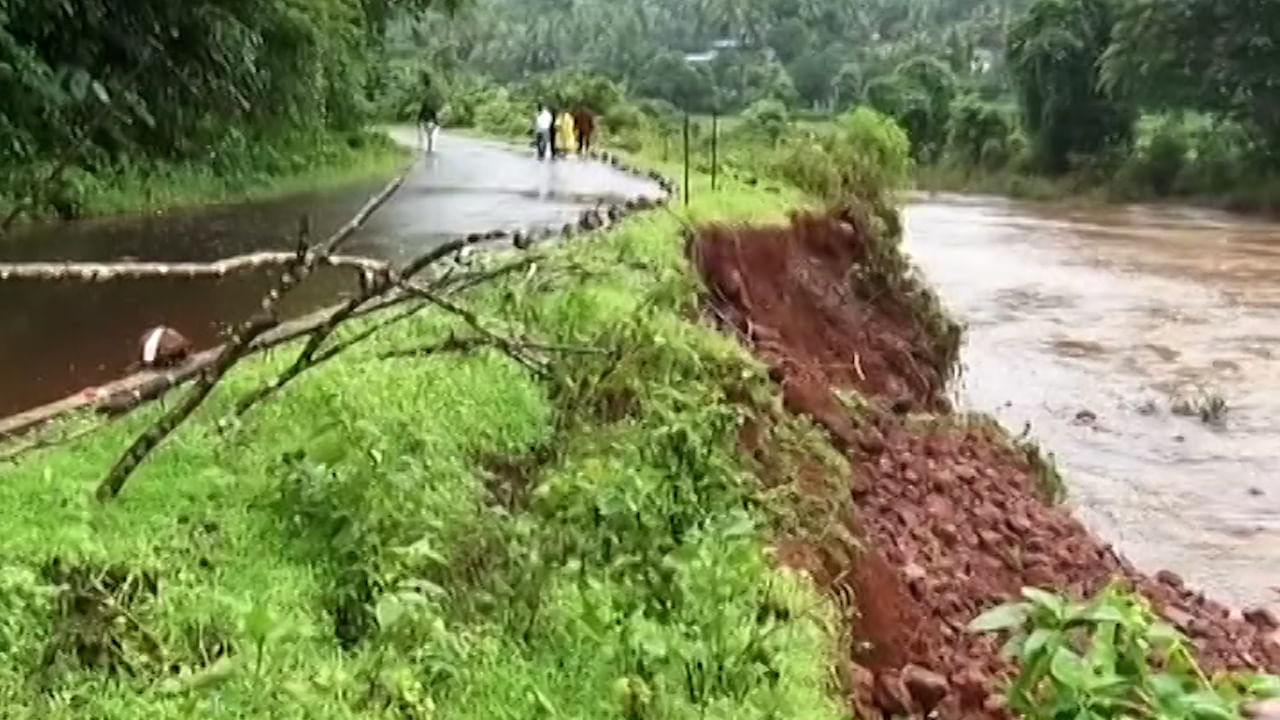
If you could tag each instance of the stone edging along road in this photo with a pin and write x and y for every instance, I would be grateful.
(127, 393)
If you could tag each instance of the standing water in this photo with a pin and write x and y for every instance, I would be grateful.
(57, 338)
(1107, 311)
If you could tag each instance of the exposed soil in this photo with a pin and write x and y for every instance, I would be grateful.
(951, 515)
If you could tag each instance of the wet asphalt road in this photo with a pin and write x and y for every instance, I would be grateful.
(58, 338)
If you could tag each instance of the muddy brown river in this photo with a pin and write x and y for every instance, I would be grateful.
(1111, 310)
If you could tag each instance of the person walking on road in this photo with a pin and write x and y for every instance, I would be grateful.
(554, 143)
(565, 133)
(429, 116)
(543, 128)
(585, 123)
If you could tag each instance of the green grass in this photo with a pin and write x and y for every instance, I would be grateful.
(241, 169)
(445, 537)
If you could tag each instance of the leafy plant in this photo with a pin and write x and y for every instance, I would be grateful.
(1110, 657)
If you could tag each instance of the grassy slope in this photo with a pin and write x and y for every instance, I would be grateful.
(625, 576)
(249, 170)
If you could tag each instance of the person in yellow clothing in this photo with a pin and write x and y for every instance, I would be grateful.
(566, 138)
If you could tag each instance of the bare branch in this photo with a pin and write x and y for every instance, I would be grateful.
(477, 342)
(309, 358)
(239, 345)
(506, 345)
(98, 272)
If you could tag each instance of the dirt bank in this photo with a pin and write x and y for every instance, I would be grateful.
(952, 513)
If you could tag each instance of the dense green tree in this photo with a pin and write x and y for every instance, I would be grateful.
(1222, 56)
(1054, 55)
(979, 132)
(163, 78)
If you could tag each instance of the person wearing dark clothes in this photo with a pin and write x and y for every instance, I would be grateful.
(555, 147)
(429, 117)
(585, 122)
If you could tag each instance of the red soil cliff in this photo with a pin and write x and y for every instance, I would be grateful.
(951, 514)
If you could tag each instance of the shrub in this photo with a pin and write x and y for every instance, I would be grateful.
(768, 118)
(979, 133)
(1110, 657)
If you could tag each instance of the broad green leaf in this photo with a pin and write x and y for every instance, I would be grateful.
(1046, 600)
(1264, 686)
(389, 610)
(1165, 686)
(1104, 613)
(1038, 640)
(1208, 705)
(1162, 635)
(1068, 668)
(1000, 617)
(217, 673)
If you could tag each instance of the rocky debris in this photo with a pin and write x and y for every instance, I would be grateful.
(1262, 618)
(590, 220)
(1086, 417)
(1265, 710)
(927, 688)
(950, 514)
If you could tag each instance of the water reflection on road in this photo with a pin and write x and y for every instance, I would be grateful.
(56, 338)
(1110, 309)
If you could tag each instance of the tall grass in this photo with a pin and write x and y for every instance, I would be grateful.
(443, 537)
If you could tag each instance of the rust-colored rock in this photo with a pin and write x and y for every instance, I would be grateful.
(926, 687)
(891, 695)
(1261, 618)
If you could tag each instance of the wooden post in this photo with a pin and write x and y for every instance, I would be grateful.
(686, 159)
(715, 142)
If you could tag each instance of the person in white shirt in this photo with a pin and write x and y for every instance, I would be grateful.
(542, 131)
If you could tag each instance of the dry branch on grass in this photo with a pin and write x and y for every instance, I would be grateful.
(311, 356)
(238, 346)
(470, 343)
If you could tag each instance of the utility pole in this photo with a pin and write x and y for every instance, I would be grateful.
(715, 144)
(686, 159)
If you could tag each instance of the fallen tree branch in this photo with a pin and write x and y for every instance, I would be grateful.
(452, 344)
(119, 397)
(427, 350)
(237, 346)
(101, 272)
(506, 345)
(309, 358)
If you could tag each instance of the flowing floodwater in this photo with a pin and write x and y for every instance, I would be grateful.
(1111, 310)
(57, 338)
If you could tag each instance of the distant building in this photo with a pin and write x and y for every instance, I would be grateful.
(716, 47)
(701, 57)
